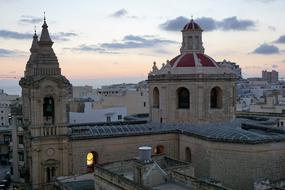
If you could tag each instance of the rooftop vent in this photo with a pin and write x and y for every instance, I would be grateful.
(145, 154)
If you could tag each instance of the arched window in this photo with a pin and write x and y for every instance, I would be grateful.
(48, 175)
(159, 149)
(183, 97)
(216, 97)
(91, 160)
(188, 156)
(48, 110)
(155, 97)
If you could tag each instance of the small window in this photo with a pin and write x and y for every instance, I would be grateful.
(1, 111)
(141, 93)
(2, 118)
(21, 156)
(21, 140)
(108, 119)
(119, 117)
(144, 104)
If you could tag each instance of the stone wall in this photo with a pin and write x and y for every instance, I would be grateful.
(237, 166)
(119, 148)
(199, 111)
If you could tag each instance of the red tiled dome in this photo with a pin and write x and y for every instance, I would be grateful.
(193, 60)
(192, 26)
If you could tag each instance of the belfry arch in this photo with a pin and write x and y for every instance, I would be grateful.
(48, 110)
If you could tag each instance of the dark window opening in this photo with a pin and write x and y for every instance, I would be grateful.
(216, 98)
(159, 149)
(155, 98)
(188, 156)
(183, 98)
(21, 140)
(48, 110)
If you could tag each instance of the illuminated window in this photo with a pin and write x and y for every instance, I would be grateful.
(91, 160)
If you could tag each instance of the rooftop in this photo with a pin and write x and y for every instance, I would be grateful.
(240, 130)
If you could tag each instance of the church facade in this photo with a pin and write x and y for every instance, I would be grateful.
(192, 118)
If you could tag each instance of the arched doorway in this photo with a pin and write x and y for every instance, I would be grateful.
(183, 98)
(216, 97)
(159, 149)
(91, 160)
(188, 155)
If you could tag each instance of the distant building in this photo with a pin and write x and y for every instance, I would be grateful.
(99, 115)
(134, 97)
(5, 102)
(82, 91)
(271, 77)
(232, 66)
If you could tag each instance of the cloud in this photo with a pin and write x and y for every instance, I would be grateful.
(10, 53)
(281, 40)
(128, 42)
(272, 28)
(174, 24)
(132, 41)
(120, 13)
(233, 23)
(26, 19)
(61, 36)
(266, 49)
(86, 48)
(210, 24)
(14, 35)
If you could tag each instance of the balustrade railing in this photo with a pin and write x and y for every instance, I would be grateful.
(49, 130)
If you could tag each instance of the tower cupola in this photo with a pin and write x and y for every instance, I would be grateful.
(192, 38)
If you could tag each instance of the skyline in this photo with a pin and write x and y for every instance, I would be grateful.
(106, 44)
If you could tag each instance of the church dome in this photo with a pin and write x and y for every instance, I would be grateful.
(192, 25)
(193, 60)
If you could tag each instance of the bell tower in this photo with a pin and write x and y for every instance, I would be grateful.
(45, 93)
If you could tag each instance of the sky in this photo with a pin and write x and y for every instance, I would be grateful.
(115, 41)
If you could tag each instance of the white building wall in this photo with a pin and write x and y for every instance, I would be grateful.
(99, 115)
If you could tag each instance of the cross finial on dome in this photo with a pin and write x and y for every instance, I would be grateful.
(191, 17)
(35, 27)
(44, 16)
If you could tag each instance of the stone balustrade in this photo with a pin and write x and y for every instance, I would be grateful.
(49, 130)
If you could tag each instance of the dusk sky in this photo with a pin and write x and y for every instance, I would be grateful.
(114, 41)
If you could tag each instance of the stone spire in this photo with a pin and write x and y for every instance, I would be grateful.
(45, 39)
(192, 38)
(35, 45)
